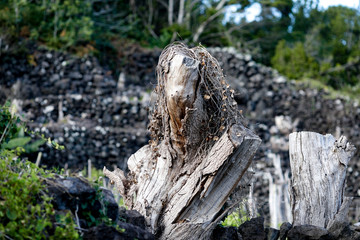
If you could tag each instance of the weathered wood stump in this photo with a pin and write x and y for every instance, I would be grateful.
(318, 165)
(199, 149)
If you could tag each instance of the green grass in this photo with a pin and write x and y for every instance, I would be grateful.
(347, 92)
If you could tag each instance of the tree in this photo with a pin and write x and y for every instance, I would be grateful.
(294, 62)
(198, 153)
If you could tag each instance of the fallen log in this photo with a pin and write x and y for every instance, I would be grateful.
(318, 166)
(199, 149)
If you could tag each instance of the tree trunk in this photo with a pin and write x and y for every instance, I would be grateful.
(181, 12)
(279, 199)
(318, 165)
(171, 12)
(198, 153)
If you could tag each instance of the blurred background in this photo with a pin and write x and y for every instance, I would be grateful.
(82, 73)
(313, 38)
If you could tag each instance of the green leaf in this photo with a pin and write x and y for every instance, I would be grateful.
(34, 147)
(16, 142)
(39, 226)
(11, 214)
(92, 218)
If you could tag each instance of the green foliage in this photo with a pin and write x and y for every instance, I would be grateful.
(13, 141)
(25, 210)
(94, 219)
(9, 123)
(96, 174)
(296, 37)
(341, 77)
(99, 218)
(235, 219)
(328, 41)
(60, 24)
(294, 62)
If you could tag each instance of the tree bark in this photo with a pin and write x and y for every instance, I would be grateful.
(279, 198)
(318, 165)
(171, 12)
(198, 153)
(181, 12)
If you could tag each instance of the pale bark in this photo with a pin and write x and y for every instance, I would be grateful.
(181, 12)
(318, 165)
(176, 182)
(279, 199)
(171, 12)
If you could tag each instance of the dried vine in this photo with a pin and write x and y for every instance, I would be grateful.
(221, 107)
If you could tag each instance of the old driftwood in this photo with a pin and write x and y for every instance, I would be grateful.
(318, 165)
(199, 149)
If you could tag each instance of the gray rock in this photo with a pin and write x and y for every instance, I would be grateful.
(225, 233)
(284, 229)
(253, 229)
(111, 206)
(126, 232)
(272, 233)
(63, 83)
(55, 77)
(98, 78)
(132, 217)
(75, 75)
(45, 64)
(77, 195)
(69, 193)
(309, 232)
(349, 233)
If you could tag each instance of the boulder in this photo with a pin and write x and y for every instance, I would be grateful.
(77, 195)
(284, 229)
(309, 232)
(124, 231)
(253, 229)
(226, 233)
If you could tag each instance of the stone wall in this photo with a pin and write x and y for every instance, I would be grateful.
(78, 103)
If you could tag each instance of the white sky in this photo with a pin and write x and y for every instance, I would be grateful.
(347, 3)
(255, 9)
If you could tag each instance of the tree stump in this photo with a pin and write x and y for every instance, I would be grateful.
(199, 148)
(318, 165)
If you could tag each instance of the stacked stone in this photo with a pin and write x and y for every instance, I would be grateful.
(78, 103)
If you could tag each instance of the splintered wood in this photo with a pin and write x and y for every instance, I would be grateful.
(318, 165)
(199, 150)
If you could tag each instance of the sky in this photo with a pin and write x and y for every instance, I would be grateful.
(255, 9)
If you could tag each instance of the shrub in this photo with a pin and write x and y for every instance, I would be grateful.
(294, 62)
(25, 208)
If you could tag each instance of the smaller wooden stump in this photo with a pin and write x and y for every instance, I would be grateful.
(318, 165)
